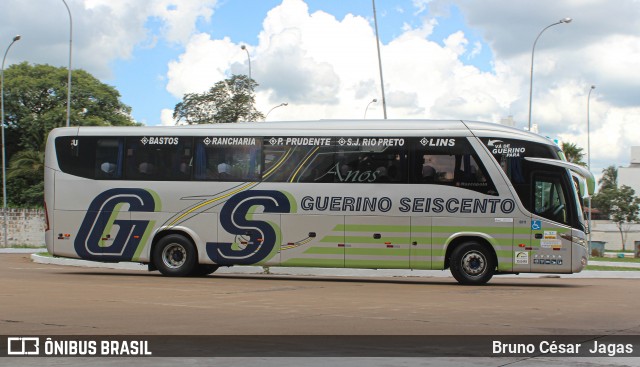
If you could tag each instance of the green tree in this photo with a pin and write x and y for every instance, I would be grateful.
(230, 100)
(35, 99)
(36, 102)
(624, 211)
(573, 153)
(609, 179)
(607, 191)
(25, 179)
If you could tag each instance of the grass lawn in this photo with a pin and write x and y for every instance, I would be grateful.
(611, 268)
(616, 259)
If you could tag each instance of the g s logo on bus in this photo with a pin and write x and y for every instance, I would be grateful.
(102, 216)
(262, 235)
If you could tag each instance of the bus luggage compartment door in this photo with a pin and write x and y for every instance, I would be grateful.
(377, 242)
(421, 243)
(312, 240)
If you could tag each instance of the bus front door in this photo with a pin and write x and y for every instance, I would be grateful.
(550, 238)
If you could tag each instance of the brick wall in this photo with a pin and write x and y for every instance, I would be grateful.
(24, 227)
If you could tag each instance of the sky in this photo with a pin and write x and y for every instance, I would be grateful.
(441, 59)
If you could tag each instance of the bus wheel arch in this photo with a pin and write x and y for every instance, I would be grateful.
(471, 260)
(174, 253)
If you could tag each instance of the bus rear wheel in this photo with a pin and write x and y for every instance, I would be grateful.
(472, 264)
(175, 255)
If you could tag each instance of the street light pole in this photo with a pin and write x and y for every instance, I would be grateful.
(565, 20)
(589, 156)
(273, 108)
(368, 104)
(69, 69)
(4, 149)
(375, 20)
(248, 58)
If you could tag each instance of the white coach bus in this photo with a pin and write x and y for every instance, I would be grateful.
(477, 198)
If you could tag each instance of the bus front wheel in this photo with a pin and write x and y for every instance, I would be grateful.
(175, 255)
(472, 264)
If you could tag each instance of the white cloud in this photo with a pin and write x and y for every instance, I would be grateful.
(166, 117)
(180, 16)
(328, 68)
(103, 30)
(204, 62)
(457, 43)
(599, 47)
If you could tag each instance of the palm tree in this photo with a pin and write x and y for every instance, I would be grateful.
(28, 164)
(573, 153)
(609, 179)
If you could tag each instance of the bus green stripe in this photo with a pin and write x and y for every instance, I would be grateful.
(381, 241)
(143, 241)
(377, 251)
(325, 251)
(377, 264)
(371, 228)
(111, 221)
(482, 229)
(321, 263)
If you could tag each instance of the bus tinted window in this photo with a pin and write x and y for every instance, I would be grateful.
(380, 163)
(90, 156)
(227, 159)
(550, 199)
(339, 160)
(158, 158)
(76, 155)
(510, 154)
(281, 162)
(109, 158)
(452, 162)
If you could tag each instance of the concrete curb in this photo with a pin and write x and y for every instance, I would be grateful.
(381, 273)
(28, 250)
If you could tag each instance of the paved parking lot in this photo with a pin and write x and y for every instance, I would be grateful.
(40, 299)
(44, 299)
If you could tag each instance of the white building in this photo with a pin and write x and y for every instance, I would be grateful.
(606, 230)
(508, 121)
(630, 176)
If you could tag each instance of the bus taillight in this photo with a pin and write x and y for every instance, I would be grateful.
(46, 218)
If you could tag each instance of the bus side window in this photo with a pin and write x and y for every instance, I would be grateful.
(109, 158)
(149, 161)
(450, 161)
(227, 162)
(550, 199)
(76, 155)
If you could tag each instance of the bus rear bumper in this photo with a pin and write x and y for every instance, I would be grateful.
(48, 240)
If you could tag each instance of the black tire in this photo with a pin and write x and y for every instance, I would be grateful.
(202, 270)
(472, 263)
(175, 255)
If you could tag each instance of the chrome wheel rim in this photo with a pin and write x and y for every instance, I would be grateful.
(474, 263)
(174, 256)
